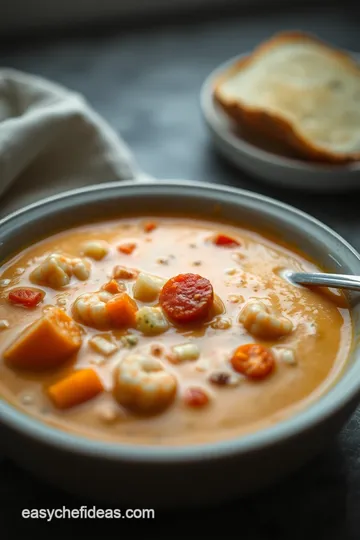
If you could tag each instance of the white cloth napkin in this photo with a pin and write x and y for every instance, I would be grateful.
(51, 140)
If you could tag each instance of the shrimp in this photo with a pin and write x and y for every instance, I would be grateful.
(258, 320)
(143, 385)
(90, 309)
(56, 271)
(80, 268)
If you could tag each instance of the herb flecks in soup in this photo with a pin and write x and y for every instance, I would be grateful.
(165, 331)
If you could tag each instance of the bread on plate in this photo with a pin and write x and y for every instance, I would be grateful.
(297, 89)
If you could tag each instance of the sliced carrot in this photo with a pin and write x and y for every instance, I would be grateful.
(253, 360)
(187, 298)
(127, 248)
(75, 389)
(114, 287)
(150, 226)
(122, 310)
(46, 343)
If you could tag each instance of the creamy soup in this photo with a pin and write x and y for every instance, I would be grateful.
(165, 331)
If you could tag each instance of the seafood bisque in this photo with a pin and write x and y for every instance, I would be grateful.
(165, 331)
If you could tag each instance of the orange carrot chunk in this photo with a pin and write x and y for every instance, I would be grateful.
(225, 241)
(127, 248)
(46, 343)
(253, 361)
(122, 310)
(75, 389)
(27, 297)
(150, 226)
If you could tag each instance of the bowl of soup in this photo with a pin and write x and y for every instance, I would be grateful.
(152, 351)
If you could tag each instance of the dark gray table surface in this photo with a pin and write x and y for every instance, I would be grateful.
(146, 84)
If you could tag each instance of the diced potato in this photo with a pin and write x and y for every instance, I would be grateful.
(184, 352)
(151, 321)
(103, 345)
(4, 324)
(147, 287)
(287, 356)
(46, 343)
(4, 282)
(95, 249)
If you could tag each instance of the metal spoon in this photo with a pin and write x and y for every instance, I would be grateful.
(338, 281)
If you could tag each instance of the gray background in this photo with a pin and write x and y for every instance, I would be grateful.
(18, 17)
(146, 83)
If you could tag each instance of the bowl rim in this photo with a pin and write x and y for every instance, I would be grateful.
(212, 114)
(318, 412)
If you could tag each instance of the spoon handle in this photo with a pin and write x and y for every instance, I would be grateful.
(339, 281)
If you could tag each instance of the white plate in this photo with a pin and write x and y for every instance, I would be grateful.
(268, 165)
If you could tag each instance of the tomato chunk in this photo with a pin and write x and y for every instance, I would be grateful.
(187, 298)
(26, 297)
(253, 361)
(114, 287)
(127, 248)
(225, 241)
(150, 226)
(195, 397)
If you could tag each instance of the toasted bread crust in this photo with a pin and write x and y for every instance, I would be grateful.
(275, 126)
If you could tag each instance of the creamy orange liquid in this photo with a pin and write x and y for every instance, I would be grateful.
(321, 338)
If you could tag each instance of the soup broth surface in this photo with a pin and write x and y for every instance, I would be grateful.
(212, 400)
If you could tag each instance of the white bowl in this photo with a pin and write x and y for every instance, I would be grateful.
(168, 476)
(264, 162)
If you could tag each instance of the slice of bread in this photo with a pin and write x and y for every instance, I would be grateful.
(300, 90)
